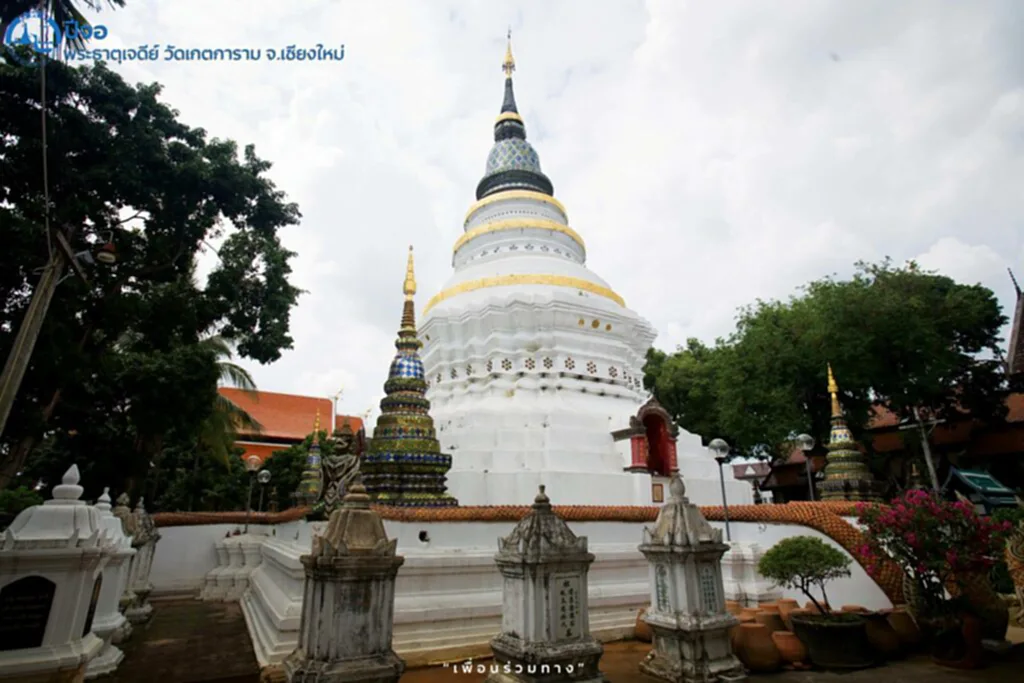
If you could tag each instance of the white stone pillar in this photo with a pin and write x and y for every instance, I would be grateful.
(545, 625)
(349, 601)
(212, 588)
(687, 613)
(109, 620)
(51, 577)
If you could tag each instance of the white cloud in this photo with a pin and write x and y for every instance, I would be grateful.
(709, 153)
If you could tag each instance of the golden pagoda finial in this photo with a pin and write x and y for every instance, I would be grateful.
(409, 287)
(833, 389)
(509, 65)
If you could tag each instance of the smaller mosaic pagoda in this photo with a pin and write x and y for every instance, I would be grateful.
(847, 476)
(404, 465)
(310, 485)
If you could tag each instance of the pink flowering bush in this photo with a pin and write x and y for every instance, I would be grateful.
(938, 544)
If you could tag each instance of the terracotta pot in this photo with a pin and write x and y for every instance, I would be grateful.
(733, 607)
(853, 609)
(788, 618)
(835, 641)
(785, 607)
(792, 650)
(770, 607)
(757, 650)
(750, 612)
(905, 627)
(734, 632)
(811, 606)
(642, 631)
(773, 622)
(882, 635)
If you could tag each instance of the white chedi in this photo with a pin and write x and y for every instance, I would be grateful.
(51, 562)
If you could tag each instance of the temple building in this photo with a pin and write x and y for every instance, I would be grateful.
(284, 419)
(534, 363)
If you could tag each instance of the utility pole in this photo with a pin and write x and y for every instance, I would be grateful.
(24, 343)
(926, 446)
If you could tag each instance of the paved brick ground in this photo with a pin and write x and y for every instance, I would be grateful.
(188, 641)
(202, 642)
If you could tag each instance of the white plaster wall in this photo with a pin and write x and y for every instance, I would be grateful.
(186, 554)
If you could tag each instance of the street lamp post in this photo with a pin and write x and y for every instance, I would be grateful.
(252, 463)
(263, 478)
(721, 450)
(806, 444)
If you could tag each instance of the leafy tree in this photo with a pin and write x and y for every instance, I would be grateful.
(897, 335)
(802, 563)
(120, 371)
(220, 429)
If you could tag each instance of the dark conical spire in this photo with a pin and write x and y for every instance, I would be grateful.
(512, 163)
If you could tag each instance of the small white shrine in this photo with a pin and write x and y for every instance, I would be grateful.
(687, 613)
(545, 625)
(348, 607)
(109, 620)
(51, 576)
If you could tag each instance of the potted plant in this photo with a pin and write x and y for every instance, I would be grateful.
(834, 640)
(944, 549)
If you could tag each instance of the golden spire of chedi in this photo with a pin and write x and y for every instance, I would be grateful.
(409, 286)
(509, 65)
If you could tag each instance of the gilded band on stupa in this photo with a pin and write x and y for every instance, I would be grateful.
(515, 194)
(519, 224)
(525, 279)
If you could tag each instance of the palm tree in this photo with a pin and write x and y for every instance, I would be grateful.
(220, 429)
(62, 11)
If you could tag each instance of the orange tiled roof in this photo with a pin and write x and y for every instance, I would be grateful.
(882, 417)
(286, 416)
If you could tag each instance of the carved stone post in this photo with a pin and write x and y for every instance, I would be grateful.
(123, 512)
(545, 625)
(687, 613)
(144, 541)
(348, 604)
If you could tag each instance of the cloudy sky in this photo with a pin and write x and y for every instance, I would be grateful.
(710, 153)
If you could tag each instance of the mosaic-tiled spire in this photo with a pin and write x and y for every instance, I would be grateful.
(847, 476)
(404, 464)
(311, 483)
(513, 163)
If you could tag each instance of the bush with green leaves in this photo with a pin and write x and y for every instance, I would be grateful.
(802, 563)
(13, 501)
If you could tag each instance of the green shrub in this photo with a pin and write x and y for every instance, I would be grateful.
(802, 563)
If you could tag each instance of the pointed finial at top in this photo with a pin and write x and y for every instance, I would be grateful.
(833, 389)
(509, 65)
(68, 489)
(409, 286)
(103, 502)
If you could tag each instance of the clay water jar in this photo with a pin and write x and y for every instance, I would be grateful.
(642, 630)
(882, 635)
(756, 649)
(769, 605)
(733, 607)
(853, 609)
(788, 618)
(734, 632)
(750, 612)
(810, 606)
(793, 652)
(905, 627)
(771, 621)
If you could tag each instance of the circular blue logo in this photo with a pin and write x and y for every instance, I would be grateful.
(31, 36)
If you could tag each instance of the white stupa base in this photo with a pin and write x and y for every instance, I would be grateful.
(49, 658)
(106, 662)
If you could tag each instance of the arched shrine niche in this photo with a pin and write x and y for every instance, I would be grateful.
(652, 435)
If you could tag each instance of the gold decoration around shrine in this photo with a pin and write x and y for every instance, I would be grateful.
(519, 224)
(515, 194)
(511, 280)
(509, 116)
